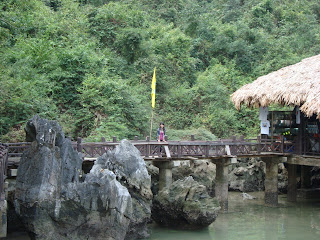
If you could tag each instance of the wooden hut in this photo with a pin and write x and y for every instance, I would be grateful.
(297, 85)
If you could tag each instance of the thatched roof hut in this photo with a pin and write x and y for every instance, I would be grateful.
(296, 85)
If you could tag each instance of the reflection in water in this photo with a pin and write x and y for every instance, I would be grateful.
(250, 219)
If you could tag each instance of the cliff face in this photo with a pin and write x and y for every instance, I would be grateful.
(54, 204)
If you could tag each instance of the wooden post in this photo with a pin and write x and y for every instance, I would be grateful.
(258, 144)
(114, 139)
(148, 146)
(103, 139)
(136, 138)
(282, 144)
(292, 183)
(79, 145)
(207, 149)
(192, 137)
(179, 150)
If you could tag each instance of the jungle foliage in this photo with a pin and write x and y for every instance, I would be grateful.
(89, 63)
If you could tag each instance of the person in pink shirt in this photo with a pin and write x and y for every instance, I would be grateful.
(161, 133)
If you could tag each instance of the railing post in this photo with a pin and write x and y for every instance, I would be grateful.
(192, 137)
(103, 149)
(114, 139)
(166, 138)
(135, 138)
(148, 146)
(79, 144)
(234, 147)
(282, 144)
(179, 148)
(207, 149)
(258, 144)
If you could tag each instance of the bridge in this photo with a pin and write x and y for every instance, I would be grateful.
(222, 153)
(177, 150)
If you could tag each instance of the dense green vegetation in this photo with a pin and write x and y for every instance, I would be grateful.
(89, 63)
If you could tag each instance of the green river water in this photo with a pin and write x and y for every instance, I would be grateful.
(250, 220)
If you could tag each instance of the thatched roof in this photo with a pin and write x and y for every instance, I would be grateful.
(297, 85)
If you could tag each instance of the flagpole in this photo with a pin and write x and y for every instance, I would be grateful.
(153, 97)
(151, 123)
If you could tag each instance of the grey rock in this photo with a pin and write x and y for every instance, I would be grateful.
(247, 176)
(246, 196)
(202, 171)
(131, 171)
(54, 204)
(185, 205)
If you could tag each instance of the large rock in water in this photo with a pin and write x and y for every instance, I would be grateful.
(51, 200)
(130, 170)
(185, 205)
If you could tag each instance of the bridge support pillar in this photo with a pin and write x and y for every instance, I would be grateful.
(165, 173)
(292, 183)
(271, 180)
(305, 176)
(221, 188)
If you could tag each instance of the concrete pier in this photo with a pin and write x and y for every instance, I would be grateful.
(221, 188)
(271, 180)
(306, 176)
(165, 173)
(292, 183)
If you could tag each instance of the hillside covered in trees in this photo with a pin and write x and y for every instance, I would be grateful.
(89, 63)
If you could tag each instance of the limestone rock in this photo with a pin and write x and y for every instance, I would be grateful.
(282, 178)
(246, 196)
(130, 170)
(154, 173)
(247, 176)
(185, 205)
(54, 204)
(202, 171)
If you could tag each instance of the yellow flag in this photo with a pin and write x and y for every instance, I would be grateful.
(153, 89)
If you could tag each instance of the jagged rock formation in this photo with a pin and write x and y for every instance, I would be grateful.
(130, 170)
(185, 205)
(54, 204)
(202, 171)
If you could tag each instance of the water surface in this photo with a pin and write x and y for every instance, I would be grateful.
(251, 219)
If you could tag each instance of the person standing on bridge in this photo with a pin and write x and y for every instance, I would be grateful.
(161, 133)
